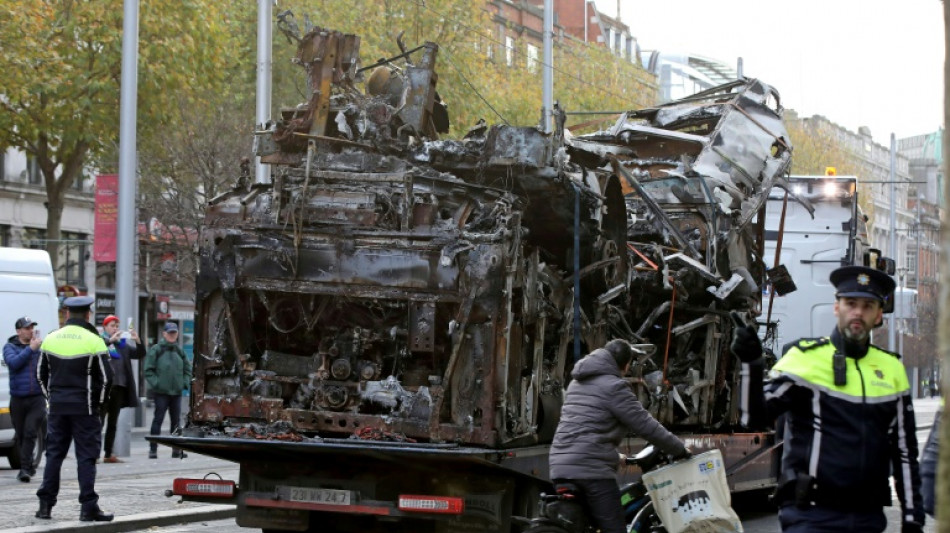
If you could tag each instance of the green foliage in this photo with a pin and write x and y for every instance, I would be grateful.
(62, 69)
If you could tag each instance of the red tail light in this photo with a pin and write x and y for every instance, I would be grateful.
(207, 488)
(431, 504)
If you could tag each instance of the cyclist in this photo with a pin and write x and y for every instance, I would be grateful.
(599, 410)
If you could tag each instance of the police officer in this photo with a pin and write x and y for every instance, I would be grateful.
(75, 374)
(849, 418)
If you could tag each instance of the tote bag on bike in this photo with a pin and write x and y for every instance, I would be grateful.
(692, 496)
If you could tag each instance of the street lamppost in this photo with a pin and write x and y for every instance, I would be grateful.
(899, 313)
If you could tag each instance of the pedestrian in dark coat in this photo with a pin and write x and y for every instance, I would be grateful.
(124, 393)
(168, 372)
(27, 403)
(600, 409)
(75, 374)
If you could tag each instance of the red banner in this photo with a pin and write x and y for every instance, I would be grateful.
(107, 217)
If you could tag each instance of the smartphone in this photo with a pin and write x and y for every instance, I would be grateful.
(131, 323)
(36, 333)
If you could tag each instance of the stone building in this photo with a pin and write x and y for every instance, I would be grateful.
(23, 218)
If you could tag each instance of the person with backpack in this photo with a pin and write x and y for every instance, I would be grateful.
(167, 372)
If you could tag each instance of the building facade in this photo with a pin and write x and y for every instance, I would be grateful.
(923, 256)
(23, 219)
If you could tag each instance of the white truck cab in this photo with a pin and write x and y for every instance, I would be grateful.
(810, 249)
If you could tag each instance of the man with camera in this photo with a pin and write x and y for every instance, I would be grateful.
(27, 403)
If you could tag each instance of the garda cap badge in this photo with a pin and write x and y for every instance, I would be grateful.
(862, 282)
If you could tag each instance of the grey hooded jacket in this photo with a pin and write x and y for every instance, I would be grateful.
(600, 409)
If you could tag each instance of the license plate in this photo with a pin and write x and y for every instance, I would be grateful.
(319, 495)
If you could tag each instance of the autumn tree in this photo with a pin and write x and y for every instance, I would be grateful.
(205, 151)
(62, 68)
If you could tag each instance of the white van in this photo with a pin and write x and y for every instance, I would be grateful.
(27, 288)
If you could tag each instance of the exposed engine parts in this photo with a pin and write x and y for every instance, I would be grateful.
(391, 282)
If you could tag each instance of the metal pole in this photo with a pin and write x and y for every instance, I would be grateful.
(125, 292)
(586, 19)
(900, 303)
(892, 246)
(547, 70)
(917, 269)
(264, 53)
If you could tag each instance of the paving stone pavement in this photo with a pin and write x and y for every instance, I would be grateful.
(132, 490)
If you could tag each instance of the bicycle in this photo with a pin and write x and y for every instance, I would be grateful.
(564, 511)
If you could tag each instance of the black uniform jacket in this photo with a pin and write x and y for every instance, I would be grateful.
(842, 442)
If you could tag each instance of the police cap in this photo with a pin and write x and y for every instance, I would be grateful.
(862, 282)
(78, 304)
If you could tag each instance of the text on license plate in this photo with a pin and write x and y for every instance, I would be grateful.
(318, 495)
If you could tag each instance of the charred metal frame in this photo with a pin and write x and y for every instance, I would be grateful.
(391, 281)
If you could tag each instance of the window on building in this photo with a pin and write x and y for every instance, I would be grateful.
(3, 164)
(34, 238)
(911, 279)
(4, 235)
(618, 37)
(532, 57)
(72, 258)
(33, 174)
(73, 247)
(509, 51)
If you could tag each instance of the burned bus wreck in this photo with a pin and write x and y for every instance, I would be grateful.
(696, 175)
(408, 297)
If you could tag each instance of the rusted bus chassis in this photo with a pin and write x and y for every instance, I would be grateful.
(398, 314)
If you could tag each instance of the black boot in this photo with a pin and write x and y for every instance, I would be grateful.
(95, 514)
(24, 476)
(178, 454)
(45, 510)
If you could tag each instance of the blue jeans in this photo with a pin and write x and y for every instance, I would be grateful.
(172, 404)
